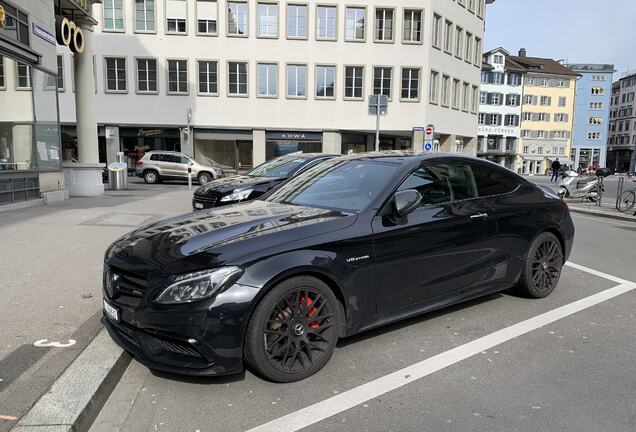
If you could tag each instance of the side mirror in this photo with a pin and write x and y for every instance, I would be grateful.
(406, 201)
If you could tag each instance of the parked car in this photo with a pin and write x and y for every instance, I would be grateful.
(355, 243)
(156, 166)
(255, 183)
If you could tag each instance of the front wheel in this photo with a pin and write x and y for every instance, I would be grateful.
(151, 177)
(293, 331)
(542, 268)
(626, 201)
(562, 193)
(204, 178)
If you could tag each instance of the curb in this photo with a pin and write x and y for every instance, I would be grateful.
(77, 396)
(601, 213)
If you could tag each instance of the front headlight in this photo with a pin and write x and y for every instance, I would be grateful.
(238, 195)
(198, 286)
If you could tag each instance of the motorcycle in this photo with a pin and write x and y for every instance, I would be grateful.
(573, 186)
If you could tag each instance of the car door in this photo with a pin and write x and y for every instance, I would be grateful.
(442, 249)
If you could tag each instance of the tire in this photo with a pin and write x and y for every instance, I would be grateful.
(293, 331)
(542, 268)
(151, 177)
(626, 201)
(204, 178)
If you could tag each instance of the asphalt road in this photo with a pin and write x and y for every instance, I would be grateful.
(501, 363)
(610, 183)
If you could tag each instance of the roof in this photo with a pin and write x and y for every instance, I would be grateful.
(514, 66)
(543, 65)
(591, 67)
(405, 156)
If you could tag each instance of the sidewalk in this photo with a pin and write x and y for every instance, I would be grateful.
(607, 209)
(51, 277)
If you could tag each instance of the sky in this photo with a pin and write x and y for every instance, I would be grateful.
(580, 31)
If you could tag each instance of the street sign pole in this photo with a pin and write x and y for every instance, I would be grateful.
(378, 105)
(188, 119)
(377, 125)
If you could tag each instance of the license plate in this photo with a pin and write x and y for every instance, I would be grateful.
(198, 206)
(111, 312)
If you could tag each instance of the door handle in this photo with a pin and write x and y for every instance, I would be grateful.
(479, 216)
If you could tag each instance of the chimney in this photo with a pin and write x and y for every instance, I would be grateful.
(522, 52)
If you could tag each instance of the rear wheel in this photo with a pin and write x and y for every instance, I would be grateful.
(151, 177)
(543, 267)
(293, 331)
(626, 201)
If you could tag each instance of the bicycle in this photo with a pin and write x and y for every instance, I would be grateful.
(626, 201)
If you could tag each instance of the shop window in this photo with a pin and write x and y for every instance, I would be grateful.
(325, 81)
(382, 81)
(116, 74)
(237, 78)
(147, 75)
(296, 21)
(267, 20)
(274, 149)
(145, 16)
(176, 16)
(178, 76)
(354, 143)
(207, 12)
(114, 15)
(237, 18)
(208, 77)
(412, 26)
(326, 22)
(296, 81)
(355, 23)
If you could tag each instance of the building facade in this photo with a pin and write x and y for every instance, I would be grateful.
(500, 109)
(591, 115)
(621, 145)
(547, 113)
(240, 82)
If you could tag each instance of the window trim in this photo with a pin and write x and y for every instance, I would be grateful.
(196, 23)
(344, 82)
(123, 30)
(335, 81)
(394, 24)
(404, 9)
(366, 22)
(247, 80)
(218, 76)
(392, 81)
(104, 62)
(438, 92)
(440, 42)
(257, 29)
(177, 93)
(452, 37)
(287, 96)
(165, 21)
(227, 20)
(147, 92)
(419, 84)
(134, 8)
(17, 79)
(296, 3)
(337, 6)
(265, 62)
(459, 94)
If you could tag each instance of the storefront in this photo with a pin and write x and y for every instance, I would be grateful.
(232, 149)
(281, 143)
(355, 143)
(137, 141)
(69, 143)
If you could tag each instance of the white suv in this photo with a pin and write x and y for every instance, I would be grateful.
(156, 166)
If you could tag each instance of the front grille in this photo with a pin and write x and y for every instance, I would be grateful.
(177, 347)
(124, 286)
(207, 199)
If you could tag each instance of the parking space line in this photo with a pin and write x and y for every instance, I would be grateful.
(334, 405)
(599, 274)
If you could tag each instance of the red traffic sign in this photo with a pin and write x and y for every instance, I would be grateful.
(428, 131)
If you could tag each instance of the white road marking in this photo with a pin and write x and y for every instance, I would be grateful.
(358, 395)
(42, 343)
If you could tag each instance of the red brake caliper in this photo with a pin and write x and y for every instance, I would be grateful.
(309, 302)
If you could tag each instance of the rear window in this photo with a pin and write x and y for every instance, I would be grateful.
(492, 182)
(155, 157)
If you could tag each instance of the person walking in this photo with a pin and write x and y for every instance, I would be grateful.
(556, 165)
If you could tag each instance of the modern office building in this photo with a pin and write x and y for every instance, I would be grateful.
(591, 114)
(500, 109)
(621, 145)
(547, 112)
(252, 80)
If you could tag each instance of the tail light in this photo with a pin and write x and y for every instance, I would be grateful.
(140, 162)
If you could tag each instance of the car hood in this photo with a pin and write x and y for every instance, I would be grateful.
(228, 184)
(210, 238)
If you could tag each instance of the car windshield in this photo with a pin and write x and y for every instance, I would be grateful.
(279, 167)
(347, 185)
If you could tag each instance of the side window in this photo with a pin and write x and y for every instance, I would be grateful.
(491, 182)
(183, 159)
(442, 183)
(155, 157)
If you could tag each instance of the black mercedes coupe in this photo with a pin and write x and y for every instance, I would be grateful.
(352, 243)
(262, 179)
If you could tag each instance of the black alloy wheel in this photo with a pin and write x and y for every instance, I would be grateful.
(543, 267)
(294, 330)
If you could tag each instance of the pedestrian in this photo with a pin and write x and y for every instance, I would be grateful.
(556, 165)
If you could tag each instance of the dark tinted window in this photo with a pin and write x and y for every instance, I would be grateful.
(170, 158)
(155, 157)
(279, 167)
(441, 183)
(491, 182)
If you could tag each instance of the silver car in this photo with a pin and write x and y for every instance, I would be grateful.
(156, 166)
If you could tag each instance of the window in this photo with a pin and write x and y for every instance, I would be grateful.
(296, 81)
(496, 78)
(434, 89)
(490, 182)
(459, 41)
(207, 14)
(526, 149)
(545, 100)
(382, 81)
(60, 73)
(513, 99)
(355, 24)
(498, 59)
(2, 82)
(326, 24)
(267, 79)
(562, 101)
(354, 79)
(412, 26)
(113, 15)
(410, 84)
(471, 5)
(437, 31)
(384, 25)
(236, 18)
(237, 78)
(441, 183)
(540, 149)
(178, 76)
(208, 77)
(542, 117)
(267, 16)
(527, 116)
(116, 74)
(296, 21)
(146, 75)
(543, 82)
(326, 82)
(465, 96)
(511, 120)
(594, 136)
(475, 101)
(598, 90)
(448, 36)
(483, 98)
(481, 119)
(176, 13)
(455, 94)
(514, 79)
(541, 134)
(477, 59)
(561, 151)
(596, 105)
(145, 16)
(446, 81)
(468, 52)
(480, 8)
(493, 119)
(561, 118)
(529, 100)
(23, 73)
(495, 98)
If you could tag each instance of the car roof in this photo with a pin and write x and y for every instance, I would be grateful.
(404, 156)
(309, 155)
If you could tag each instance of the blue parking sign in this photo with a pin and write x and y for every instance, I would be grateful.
(428, 146)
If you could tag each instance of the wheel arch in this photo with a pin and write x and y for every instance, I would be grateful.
(205, 172)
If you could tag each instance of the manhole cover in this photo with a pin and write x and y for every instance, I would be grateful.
(121, 219)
